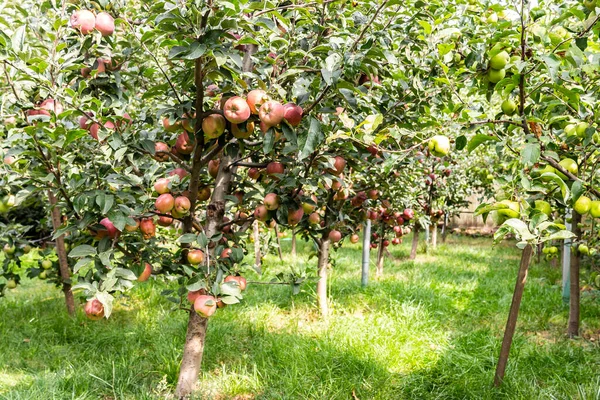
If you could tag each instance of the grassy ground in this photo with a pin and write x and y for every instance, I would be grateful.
(430, 329)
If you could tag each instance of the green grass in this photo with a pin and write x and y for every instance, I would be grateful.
(430, 329)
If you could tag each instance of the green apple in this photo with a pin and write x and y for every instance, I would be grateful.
(557, 35)
(46, 264)
(543, 206)
(500, 60)
(582, 205)
(583, 249)
(509, 107)
(26, 249)
(490, 177)
(570, 165)
(43, 275)
(497, 218)
(570, 130)
(11, 284)
(439, 145)
(496, 75)
(595, 209)
(553, 250)
(589, 4)
(512, 211)
(9, 250)
(10, 200)
(596, 138)
(580, 129)
(492, 18)
(3, 207)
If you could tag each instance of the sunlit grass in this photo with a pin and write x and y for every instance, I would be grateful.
(428, 329)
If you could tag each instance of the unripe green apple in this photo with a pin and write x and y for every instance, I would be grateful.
(512, 211)
(589, 4)
(570, 130)
(583, 205)
(570, 165)
(9, 250)
(583, 249)
(580, 129)
(500, 60)
(595, 209)
(11, 284)
(553, 250)
(543, 206)
(43, 275)
(509, 107)
(439, 145)
(492, 18)
(46, 264)
(496, 75)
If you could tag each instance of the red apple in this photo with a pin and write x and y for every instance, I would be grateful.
(180, 172)
(165, 203)
(183, 144)
(9, 160)
(182, 205)
(400, 220)
(373, 194)
(338, 165)
(271, 201)
(134, 227)
(205, 305)
(292, 114)
(203, 193)
(354, 238)
(211, 90)
(165, 220)
(51, 105)
(148, 228)
(408, 214)
(261, 213)
(275, 168)
(160, 151)
(386, 243)
(195, 257)
(213, 167)
(226, 253)
(295, 216)
(335, 236)
(255, 100)
(146, 273)
(105, 24)
(113, 232)
(242, 131)
(271, 113)
(192, 296)
(254, 173)
(213, 126)
(240, 280)
(314, 219)
(162, 185)
(236, 110)
(84, 21)
(94, 310)
(171, 127)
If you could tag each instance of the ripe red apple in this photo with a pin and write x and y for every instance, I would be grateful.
(180, 172)
(395, 241)
(261, 213)
(226, 253)
(195, 257)
(205, 305)
(338, 165)
(354, 238)
(183, 144)
(400, 220)
(373, 150)
(113, 232)
(271, 201)
(240, 280)
(335, 236)
(94, 128)
(165, 220)
(243, 132)
(275, 168)
(386, 243)
(263, 127)
(148, 228)
(292, 114)
(397, 229)
(271, 113)
(295, 216)
(211, 90)
(105, 24)
(255, 99)
(236, 110)
(161, 151)
(408, 214)
(165, 203)
(162, 185)
(134, 227)
(52, 105)
(373, 194)
(193, 295)
(182, 205)
(314, 219)
(146, 273)
(84, 21)
(171, 127)
(213, 167)
(94, 310)
(373, 215)
(203, 193)
(213, 126)
(254, 173)
(9, 160)
(340, 195)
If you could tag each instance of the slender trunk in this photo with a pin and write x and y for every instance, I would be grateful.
(415, 241)
(366, 250)
(554, 263)
(278, 242)
(257, 254)
(573, 329)
(65, 271)
(513, 314)
(380, 249)
(445, 228)
(540, 247)
(434, 231)
(322, 283)
(293, 243)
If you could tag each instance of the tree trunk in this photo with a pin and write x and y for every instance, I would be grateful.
(366, 250)
(540, 247)
(380, 249)
(513, 314)
(192, 355)
(434, 231)
(322, 283)
(257, 254)
(293, 243)
(63, 262)
(445, 228)
(415, 241)
(278, 242)
(573, 329)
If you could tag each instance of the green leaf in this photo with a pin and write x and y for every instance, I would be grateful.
(83, 250)
(187, 238)
(577, 189)
(461, 142)
(479, 139)
(530, 154)
(269, 141)
(551, 176)
(315, 136)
